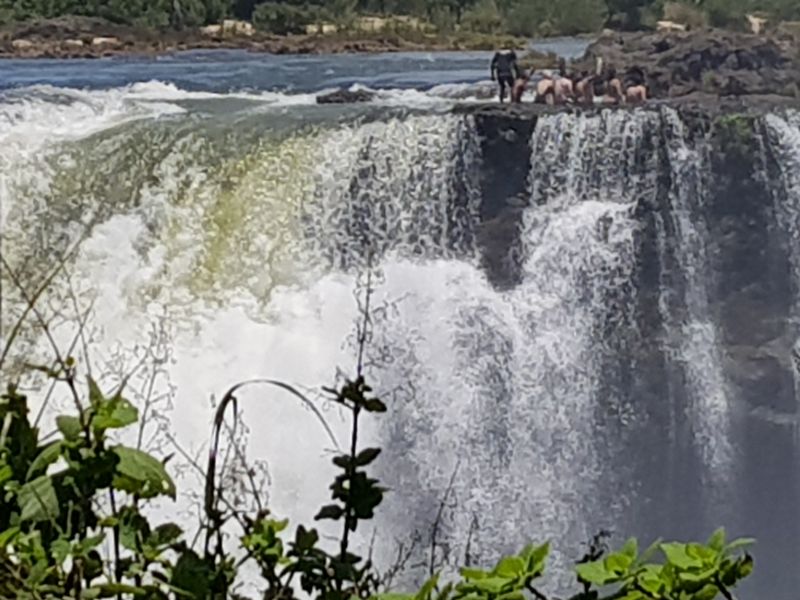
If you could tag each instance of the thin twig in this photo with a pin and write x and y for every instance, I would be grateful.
(219, 417)
(33, 299)
(438, 520)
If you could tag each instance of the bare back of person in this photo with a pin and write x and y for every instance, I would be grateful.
(545, 91)
(563, 90)
(636, 94)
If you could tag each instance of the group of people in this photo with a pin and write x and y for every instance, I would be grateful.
(604, 85)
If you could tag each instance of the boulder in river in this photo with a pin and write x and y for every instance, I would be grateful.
(346, 97)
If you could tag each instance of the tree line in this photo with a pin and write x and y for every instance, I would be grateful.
(518, 17)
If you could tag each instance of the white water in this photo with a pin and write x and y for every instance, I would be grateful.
(694, 336)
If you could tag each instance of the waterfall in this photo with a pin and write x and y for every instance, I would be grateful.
(691, 327)
(595, 389)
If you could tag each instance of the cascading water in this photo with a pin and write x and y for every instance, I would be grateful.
(691, 329)
(594, 391)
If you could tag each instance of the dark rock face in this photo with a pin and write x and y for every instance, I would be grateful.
(346, 97)
(712, 62)
(505, 147)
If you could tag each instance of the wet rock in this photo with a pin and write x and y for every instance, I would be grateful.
(346, 97)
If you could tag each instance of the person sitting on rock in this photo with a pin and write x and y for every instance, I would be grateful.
(563, 89)
(520, 85)
(635, 87)
(614, 93)
(584, 88)
(545, 89)
(505, 71)
(636, 94)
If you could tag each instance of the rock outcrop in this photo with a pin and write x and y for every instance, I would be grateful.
(720, 63)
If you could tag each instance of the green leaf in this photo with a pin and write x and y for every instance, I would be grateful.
(744, 567)
(342, 461)
(366, 456)
(60, 549)
(69, 426)
(510, 567)
(95, 395)
(650, 552)
(46, 457)
(512, 595)
(427, 588)
(331, 511)
(739, 544)
(492, 585)
(114, 414)
(678, 556)
(164, 535)
(709, 592)
(37, 500)
(139, 473)
(697, 576)
(630, 548)
(595, 572)
(192, 575)
(717, 540)
(473, 574)
(305, 539)
(7, 536)
(537, 557)
(650, 580)
(392, 596)
(6, 473)
(374, 405)
(133, 529)
(618, 563)
(109, 590)
(85, 546)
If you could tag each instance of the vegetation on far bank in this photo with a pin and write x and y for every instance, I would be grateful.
(523, 18)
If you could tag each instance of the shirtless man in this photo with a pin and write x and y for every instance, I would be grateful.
(614, 93)
(636, 94)
(584, 88)
(504, 71)
(563, 89)
(545, 90)
(635, 87)
(520, 84)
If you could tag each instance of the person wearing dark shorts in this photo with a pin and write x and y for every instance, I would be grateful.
(505, 71)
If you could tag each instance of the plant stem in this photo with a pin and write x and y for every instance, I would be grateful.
(348, 510)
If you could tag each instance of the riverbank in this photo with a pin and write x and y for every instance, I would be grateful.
(96, 38)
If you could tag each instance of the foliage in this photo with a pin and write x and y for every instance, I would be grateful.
(519, 17)
(484, 17)
(282, 18)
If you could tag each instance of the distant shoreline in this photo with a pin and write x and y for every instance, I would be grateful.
(91, 39)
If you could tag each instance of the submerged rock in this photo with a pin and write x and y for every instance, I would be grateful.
(346, 97)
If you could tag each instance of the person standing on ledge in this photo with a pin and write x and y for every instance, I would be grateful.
(505, 71)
